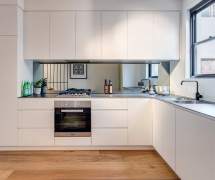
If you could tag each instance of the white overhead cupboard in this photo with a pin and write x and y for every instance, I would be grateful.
(102, 35)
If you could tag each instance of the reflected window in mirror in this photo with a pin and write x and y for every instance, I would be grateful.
(153, 70)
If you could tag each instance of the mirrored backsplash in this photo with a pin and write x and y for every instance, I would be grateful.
(92, 76)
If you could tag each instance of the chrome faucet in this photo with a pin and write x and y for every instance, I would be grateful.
(198, 95)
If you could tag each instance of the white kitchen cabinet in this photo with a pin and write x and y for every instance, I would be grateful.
(109, 118)
(62, 33)
(36, 137)
(109, 136)
(8, 19)
(73, 141)
(35, 119)
(36, 35)
(114, 35)
(153, 35)
(36, 104)
(88, 35)
(166, 36)
(109, 103)
(164, 131)
(195, 146)
(139, 122)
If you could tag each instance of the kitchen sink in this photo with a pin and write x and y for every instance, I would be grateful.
(186, 101)
(183, 100)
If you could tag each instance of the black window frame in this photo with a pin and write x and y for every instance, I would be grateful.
(193, 12)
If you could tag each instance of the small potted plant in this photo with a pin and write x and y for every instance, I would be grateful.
(37, 87)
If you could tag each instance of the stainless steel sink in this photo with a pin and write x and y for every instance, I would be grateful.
(182, 100)
(186, 101)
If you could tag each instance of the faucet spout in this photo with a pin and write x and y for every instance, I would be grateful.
(198, 95)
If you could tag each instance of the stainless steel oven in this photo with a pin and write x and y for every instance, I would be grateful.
(72, 118)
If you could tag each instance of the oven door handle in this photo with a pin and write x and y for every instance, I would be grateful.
(72, 110)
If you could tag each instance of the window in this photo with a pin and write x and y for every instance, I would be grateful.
(203, 39)
(153, 70)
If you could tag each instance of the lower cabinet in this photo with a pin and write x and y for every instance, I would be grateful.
(72, 141)
(195, 146)
(164, 131)
(139, 121)
(109, 136)
(35, 122)
(36, 137)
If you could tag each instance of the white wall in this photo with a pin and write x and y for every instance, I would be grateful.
(181, 70)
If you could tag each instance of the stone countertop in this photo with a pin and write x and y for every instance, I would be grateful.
(204, 108)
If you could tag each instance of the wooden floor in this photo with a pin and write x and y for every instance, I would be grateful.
(84, 165)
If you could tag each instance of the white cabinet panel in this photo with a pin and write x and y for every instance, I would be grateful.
(35, 104)
(105, 137)
(114, 35)
(36, 137)
(153, 35)
(8, 91)
(164, 131)
(166, 35)
(88, 35)
(36, 119)
(109, 118)
(195, 147)
(109, 103)
(73, 141)
(139, 122)
(62, 29)
(140, 35)
(36, 35)
(8, 19)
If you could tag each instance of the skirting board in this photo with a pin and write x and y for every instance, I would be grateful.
(77, 148)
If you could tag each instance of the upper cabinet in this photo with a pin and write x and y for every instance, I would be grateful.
(102, 35)
(114, 35)
(36, 35)
(153, 35)
(88, 35)
(62, 31)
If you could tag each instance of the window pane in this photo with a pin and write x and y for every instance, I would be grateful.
(205, 23)
(205, 58)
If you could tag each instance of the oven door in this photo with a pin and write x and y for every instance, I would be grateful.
(72, 122)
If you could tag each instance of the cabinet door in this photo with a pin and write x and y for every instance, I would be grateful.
(109, 136)
(114, 35)
(62, 44)
(36, 35)
(166, 35)
(164, 131)
(88, 35)
(36, 137)
(153, 35)
(140, 35)
(195, 150)
(139, 122)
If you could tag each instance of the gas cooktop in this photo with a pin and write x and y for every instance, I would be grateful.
(73, 92)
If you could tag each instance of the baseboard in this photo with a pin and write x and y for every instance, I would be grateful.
(76, 148)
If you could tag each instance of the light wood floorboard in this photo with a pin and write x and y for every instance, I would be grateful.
(84, 165)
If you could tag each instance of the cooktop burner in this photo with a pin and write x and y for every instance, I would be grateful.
(75, 92)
